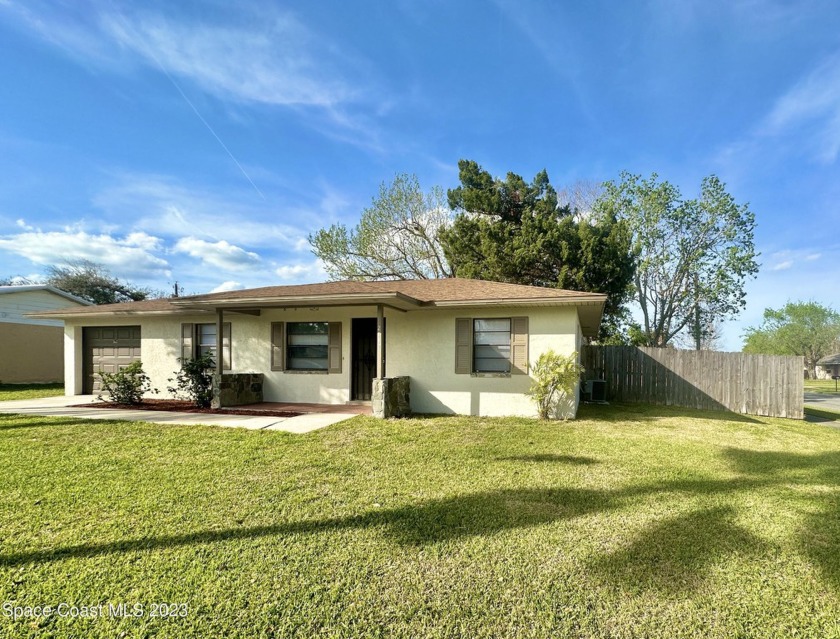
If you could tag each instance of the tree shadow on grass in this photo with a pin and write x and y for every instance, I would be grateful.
(431, 522)
(819, 475)
(39, 421)
(26, 421)
(616, 412)
(820, 539)
(548, 457)
(675, 555)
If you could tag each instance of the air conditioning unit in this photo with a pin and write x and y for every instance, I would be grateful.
(595, 390)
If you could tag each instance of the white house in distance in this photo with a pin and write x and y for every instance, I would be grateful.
(31, 350)
(466, 345)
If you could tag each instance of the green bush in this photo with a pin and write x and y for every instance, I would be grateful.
(195, 380)
(554, 378)
(127, 385)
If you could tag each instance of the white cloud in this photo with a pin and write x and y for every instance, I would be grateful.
(130, 256)
(21, 223)
(278, 61)
(782, 260)
(312, 272)
(256, 54)
(230, 285)
(144, 240)
(814, 101)
(219, 254)
(782, 266)
(156, 202)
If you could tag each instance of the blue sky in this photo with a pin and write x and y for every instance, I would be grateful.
(202, 142)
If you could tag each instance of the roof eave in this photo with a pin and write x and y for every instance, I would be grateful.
(104, 313)
(589, 300)
(396, 300)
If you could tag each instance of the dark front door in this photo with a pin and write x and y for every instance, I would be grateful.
(363, 358)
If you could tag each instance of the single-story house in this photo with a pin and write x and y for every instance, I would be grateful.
(828, 366)
(465, 345)
(32, 350)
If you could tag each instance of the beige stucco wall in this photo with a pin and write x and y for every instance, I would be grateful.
(30, 353)
(420, 344)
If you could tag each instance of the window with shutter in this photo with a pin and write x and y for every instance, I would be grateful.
(463, 346)
(519, 345)
(278, 343)
(198, 339)
(491, 345)
(334, 347)
(187, 352)
(497, 345)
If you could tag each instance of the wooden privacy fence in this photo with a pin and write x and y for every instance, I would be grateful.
(769, 385)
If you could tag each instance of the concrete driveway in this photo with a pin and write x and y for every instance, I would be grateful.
(62, 407)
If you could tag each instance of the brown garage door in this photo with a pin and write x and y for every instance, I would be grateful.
(108, 349)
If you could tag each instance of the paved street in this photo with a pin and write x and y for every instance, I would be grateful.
(828, 402)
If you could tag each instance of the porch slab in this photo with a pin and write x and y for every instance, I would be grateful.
(303, 423)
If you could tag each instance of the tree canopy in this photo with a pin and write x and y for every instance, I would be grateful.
(395, 239)
(693, 255)
(808, 329)
(514, 231)
(94, 283)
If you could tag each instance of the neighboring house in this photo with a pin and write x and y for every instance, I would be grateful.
(466, 345)
(828, 367)
(32, 350)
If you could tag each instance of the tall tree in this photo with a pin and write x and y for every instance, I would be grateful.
(93, 282)
(514, 231)
(693, 256)
(808, 329)
(395, 239)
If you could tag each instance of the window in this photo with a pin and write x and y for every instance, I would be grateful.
(198, 339)
(205, 340)
(313, 347)
(491, 346)
(307, 346)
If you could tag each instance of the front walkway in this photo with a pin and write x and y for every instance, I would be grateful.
(68, 407)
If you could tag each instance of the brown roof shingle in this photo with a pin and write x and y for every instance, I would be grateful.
(420, 293)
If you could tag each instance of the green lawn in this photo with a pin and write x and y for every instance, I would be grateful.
(29, 391)
(629, 522)
(821, 386)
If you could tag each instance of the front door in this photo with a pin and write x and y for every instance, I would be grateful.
(363, 367)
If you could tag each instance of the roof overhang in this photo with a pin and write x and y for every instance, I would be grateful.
(399, 301)
(69, 314)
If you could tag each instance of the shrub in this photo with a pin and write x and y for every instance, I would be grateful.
(554, 378)
(195, 380)
(127, 385)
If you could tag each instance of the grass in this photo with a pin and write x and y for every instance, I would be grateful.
(823, 386)
(29, 391)
(629, 522)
